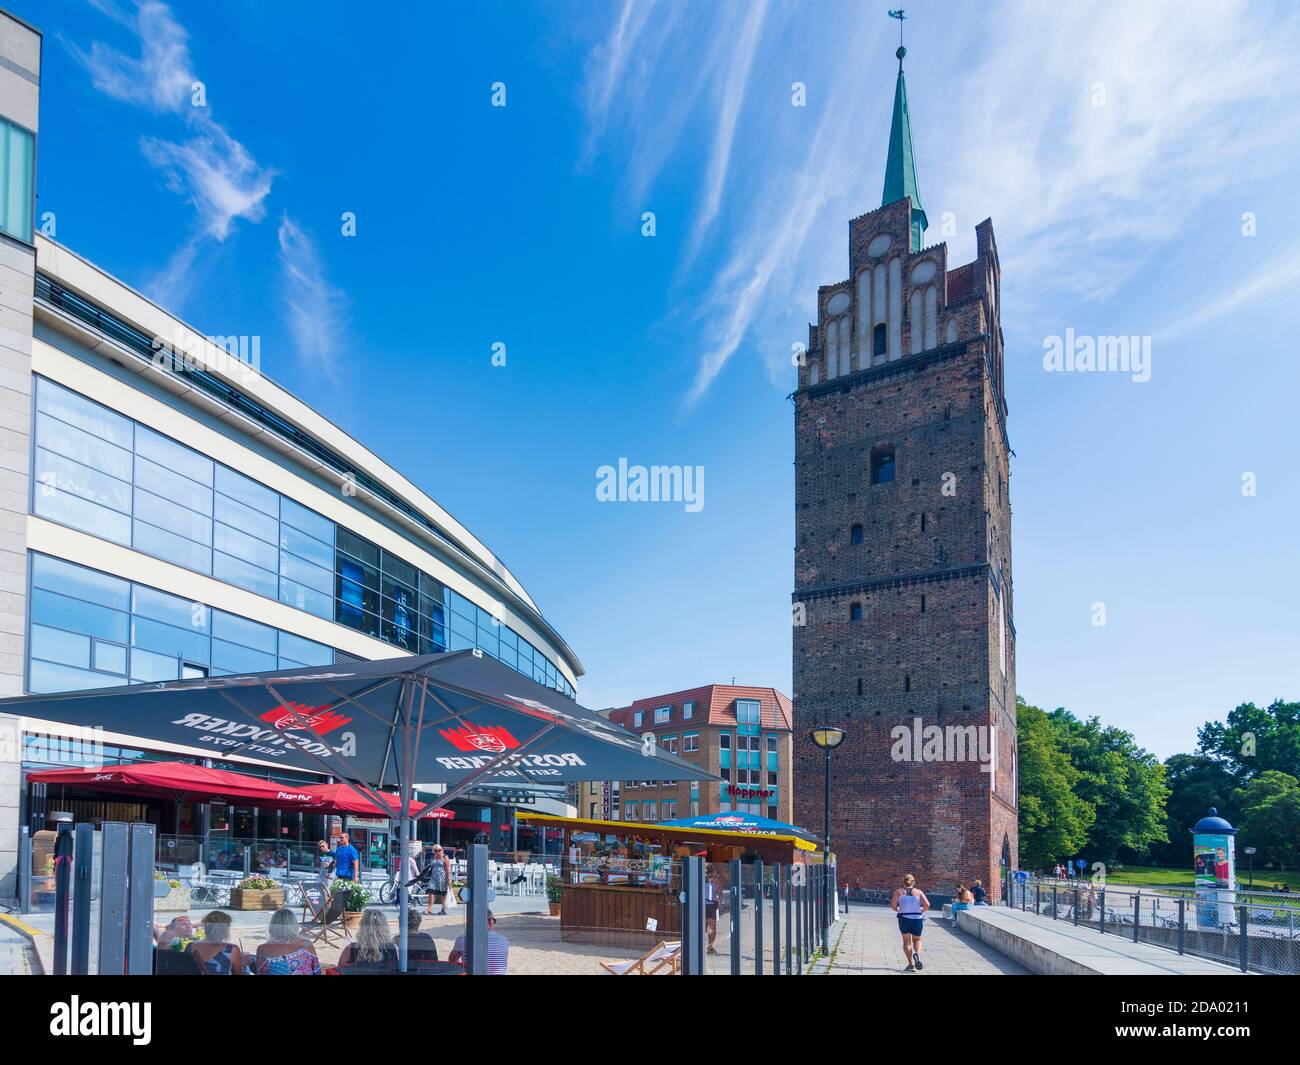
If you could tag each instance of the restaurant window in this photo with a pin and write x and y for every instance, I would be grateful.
(663, 715)
(690, 742)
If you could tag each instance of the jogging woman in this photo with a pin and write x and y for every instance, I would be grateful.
(910, 903)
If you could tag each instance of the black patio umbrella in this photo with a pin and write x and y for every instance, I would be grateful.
(459, 719)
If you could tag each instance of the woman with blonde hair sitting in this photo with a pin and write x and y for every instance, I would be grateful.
(215, 954)
(373, 950)
(285, 952)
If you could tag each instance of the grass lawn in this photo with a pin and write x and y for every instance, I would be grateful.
(1141, 875)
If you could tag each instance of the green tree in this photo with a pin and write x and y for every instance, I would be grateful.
(1254, 740)
(1196, 782)
(1269, 818)
(1123, 783)
(1054, 821)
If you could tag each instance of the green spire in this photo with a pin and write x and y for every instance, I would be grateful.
(900, 167)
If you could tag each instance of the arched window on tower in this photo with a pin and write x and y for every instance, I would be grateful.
(855, 534)
(855, 611)
(882, 464)
(879, 342)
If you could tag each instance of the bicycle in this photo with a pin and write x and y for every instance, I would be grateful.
(417, 892)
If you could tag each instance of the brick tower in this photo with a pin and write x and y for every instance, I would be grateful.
(903, 610)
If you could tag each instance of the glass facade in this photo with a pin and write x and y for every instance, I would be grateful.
(90, 630)
(103, 473)
(17, 179)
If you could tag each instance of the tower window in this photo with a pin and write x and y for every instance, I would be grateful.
(907, 682)
(859, 685)
(922, 602)
(855, 611)
(878, 340)
(882, 465)
(923, 523)
(855, 534)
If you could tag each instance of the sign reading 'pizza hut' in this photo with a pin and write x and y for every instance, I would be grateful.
(494, 740)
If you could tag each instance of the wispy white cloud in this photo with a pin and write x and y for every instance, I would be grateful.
(160, 78)
(318, 312)
(216, 173)
(1281, 273)
(1091, 138)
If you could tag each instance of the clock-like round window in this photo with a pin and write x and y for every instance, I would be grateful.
(837, 304)
(879, 245)
(923, 272)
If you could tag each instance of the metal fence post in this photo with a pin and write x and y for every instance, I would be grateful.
(24, 869)
(798, 924)
(1055, 893)
(789, 921)
(1182, 924)
(735, 916)
(112, 900)
(1243, 919)
(1038, 899)
(476, 914)
(1101, 918)
(62, 884)
(248, 862)
(139, 916)
(83, 855)
(693, 935)
(776, 918)
(758, 917)
(1137, 914)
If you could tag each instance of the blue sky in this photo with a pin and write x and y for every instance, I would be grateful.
(1124, 154)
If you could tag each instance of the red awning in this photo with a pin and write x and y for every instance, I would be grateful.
(343, 799)
(184, 782)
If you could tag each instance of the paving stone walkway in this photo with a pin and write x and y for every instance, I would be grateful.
(15, 954)
(869, 945)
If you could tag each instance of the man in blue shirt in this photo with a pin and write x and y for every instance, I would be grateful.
(346, 859)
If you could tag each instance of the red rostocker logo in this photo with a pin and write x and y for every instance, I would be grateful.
(493, 739)
(289, 717)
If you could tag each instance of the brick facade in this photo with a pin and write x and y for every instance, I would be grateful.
(908, 620)
(713, 713)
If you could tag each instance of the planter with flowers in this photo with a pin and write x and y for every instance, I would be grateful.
(256, 893)
(359, 897)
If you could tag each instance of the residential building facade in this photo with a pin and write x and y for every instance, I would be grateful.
(741, 733)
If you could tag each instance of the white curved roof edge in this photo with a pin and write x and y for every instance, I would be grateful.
(116, 296)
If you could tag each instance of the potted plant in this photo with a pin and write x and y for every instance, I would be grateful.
(359, 897)
(256, 893)
(169, 895)
(553, 894)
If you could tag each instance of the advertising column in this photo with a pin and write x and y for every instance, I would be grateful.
(1214, 869)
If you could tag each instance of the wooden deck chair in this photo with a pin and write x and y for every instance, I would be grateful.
(666, 956)
(331, 919)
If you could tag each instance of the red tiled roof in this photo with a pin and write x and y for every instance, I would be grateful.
(715, 704)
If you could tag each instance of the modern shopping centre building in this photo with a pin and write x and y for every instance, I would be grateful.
(167, 512)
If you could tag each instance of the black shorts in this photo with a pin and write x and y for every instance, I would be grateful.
(711, 910)
(911, 926)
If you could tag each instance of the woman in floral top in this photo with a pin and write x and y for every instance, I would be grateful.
(285, 952)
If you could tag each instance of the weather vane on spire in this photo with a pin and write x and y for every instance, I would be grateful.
(901, 15)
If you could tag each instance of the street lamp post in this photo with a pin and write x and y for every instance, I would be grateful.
(1250, 856)
(827, 737)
